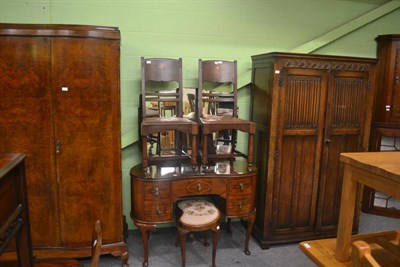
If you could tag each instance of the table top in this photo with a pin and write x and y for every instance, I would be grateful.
(182, 169)
(8, 161)
(378, 170)
(381, 163)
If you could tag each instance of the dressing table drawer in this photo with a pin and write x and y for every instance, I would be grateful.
(241, 186)
(191, 187)
(157, 190)
(238, 205)
(157, 211)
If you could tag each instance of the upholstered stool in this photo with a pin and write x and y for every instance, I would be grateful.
(197, 215)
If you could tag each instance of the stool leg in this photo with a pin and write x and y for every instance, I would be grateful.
(215, 231)
(206, 244)
(228, 226)
(182, 242)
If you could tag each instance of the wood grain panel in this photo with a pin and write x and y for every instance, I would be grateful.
(86, 127)
(26, 127)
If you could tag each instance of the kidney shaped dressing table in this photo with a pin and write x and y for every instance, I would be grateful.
(231, 186)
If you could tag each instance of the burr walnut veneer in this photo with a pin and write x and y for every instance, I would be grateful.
(60, 105)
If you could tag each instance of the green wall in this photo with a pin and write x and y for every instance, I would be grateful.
(219, 29)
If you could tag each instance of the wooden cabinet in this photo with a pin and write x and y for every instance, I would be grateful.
(60, 105)
(387, 104)
(308, 109)
(385, 131)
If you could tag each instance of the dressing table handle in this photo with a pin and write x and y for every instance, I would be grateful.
(156, 191)
(199, 187)
(241, 187)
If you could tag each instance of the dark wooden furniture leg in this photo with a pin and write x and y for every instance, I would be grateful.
(250, 221)
(145, 161)
(125, 258)
(215, 233)
(144, 230)
(204, 160)
(228, 226)
(182, 243)
(250, 152)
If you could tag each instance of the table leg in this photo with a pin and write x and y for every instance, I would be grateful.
(144, 230)
(250, 221)
(346, 215)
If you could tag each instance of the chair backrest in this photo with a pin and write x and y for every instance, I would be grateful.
(96, 244)
(213, 75)
(192, 102)
(162, 83)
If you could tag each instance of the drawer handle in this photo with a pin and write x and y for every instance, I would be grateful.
(156, 191)
(158, 211)
(240, 205)
(199, 187)
(241, 187)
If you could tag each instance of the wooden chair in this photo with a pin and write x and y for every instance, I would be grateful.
(159, 75)
(197, 215)
(384, 245)
(361, 255)
(192, 102)
(221, 111)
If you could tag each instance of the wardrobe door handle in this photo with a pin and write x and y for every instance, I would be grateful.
(158, 211)
(58, 147)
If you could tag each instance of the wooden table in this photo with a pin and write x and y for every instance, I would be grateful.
(378, 170)
(232, 187)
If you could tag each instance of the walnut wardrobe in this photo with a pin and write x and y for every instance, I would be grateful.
(60, 105)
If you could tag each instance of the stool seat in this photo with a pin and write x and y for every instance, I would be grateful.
(197, 215)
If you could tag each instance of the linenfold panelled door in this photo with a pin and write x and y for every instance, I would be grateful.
(299, 138)
(347, 105)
